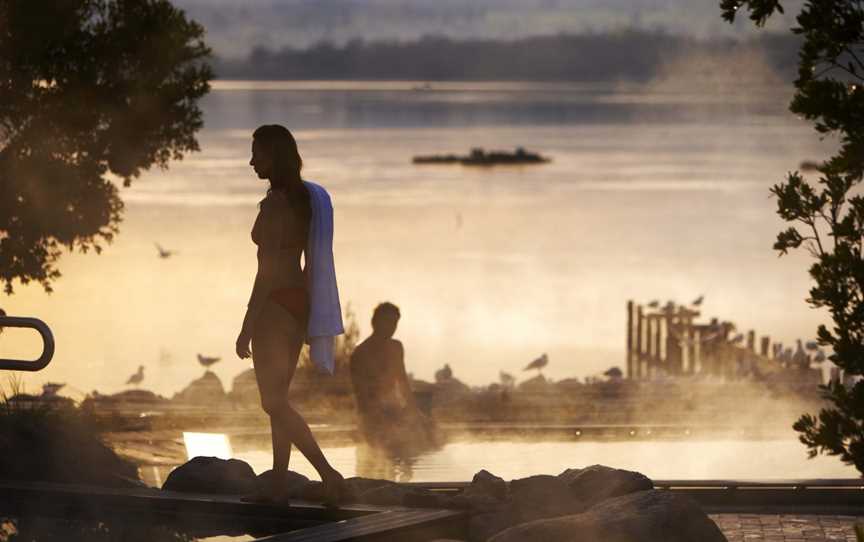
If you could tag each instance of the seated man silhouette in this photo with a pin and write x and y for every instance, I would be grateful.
(387, 412)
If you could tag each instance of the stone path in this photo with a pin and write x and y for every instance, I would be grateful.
(798, 528)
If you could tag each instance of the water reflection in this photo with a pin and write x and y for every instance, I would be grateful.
(679, 459)
(208, 445)
(375, 462)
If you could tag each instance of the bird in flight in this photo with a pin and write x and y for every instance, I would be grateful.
(137, 377)
(207, 361)
(698, 301)
(164, 253)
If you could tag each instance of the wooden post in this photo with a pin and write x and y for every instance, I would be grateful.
(674, 354)
(649, 345)
(658, 335)
(751, 341)
(629, 340)
(696, 344)
(765, 346)
(690, 336)
(640, 343)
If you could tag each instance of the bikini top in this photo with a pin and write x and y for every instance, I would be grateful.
(295, 223)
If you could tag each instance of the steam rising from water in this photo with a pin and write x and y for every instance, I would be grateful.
(646, 197)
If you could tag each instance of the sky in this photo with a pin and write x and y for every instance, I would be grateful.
(235, 28)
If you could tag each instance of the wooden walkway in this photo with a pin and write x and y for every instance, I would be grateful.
(746, 511)
(787, 528)
(306, 522)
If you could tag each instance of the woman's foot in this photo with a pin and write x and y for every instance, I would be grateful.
(334, 489)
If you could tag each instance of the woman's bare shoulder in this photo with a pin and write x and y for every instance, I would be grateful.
(273, 201)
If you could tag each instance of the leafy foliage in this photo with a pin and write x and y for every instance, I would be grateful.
(88, 88)
(828, 218)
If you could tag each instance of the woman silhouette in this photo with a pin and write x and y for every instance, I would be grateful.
(278, 311)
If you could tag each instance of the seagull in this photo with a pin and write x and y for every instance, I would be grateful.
(538, 364)
(614, 373)
(207, 361)
(444, 374)
(654, 304)
(698, 301)
(163, 253)
(137, 377)
(737, 339)
(506, 379)
(50, 389)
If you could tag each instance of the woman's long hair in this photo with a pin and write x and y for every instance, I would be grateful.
(279, 142)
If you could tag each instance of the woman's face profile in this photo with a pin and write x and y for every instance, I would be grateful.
(262, 161)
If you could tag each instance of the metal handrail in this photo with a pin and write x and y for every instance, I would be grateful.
(47, 344)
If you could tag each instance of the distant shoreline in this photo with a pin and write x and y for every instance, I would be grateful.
(627, 55)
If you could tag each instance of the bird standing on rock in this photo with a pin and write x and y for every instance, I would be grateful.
(207, 361)
(137, 377)
(538, 364)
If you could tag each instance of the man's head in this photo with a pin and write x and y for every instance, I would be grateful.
(384, 319)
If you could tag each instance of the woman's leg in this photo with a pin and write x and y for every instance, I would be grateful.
(275, 350)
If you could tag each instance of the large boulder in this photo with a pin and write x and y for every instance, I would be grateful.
(485, 493)
(294, 481)
(535, 497)
(497, 506)
(212, 475)
(244, 390)
(597, 483)
(206, 390)
(542, 496)
(644, 516)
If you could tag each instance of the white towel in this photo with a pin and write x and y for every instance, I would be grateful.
(325, 312)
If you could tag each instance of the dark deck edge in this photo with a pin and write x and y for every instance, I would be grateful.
(317, 523)
(402, 525)
(804, 496)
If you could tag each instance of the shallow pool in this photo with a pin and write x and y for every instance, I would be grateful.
(696, 458)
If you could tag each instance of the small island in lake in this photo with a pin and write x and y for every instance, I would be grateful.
(479, 157)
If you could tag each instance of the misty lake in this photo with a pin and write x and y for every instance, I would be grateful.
(695, 458)
(652, 192)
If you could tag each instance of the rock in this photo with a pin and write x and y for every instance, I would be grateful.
(244, 390)
(531, 498)
(542, 496)
(487, 484)
(312, 491)
(644, 516)
(212, 475)
(294, 481)
(485, 493)
(597, 483)
(481, 527)
(205, 390)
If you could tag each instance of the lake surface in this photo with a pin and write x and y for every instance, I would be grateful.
(651, 193)
(697, 458)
